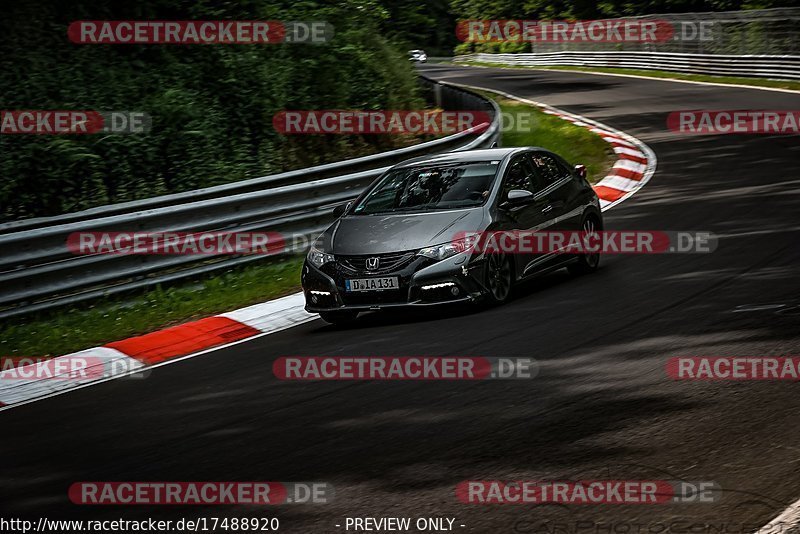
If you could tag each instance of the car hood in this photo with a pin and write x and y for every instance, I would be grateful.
(382, 234)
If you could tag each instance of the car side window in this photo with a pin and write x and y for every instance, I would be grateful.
(519, 175)
(537, 176)
(550, 169)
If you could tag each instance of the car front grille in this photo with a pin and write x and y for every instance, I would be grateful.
(386, 262)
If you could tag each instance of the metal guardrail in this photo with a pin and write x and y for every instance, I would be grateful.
(780, 67)
(773, 32)
(37, 271)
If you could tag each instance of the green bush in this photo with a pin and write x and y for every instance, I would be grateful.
(464, 48)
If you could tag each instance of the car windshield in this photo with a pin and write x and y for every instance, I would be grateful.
(426, 188)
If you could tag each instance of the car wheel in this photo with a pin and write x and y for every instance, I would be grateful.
(339, 317)
(499, 278)
(587, 263)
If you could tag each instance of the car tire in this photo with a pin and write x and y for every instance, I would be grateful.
(499, 278)
(587, 263)
(339, 317)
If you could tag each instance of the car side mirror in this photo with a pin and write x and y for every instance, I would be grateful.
(517, 197)
(581, 170)
(339, 210)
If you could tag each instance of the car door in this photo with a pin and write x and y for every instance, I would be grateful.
(559, 184)
(576, 194)
(530, 215)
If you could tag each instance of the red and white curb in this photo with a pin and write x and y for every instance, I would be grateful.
(788, 522)
(635, 166)
(132, 355)
(636, 162)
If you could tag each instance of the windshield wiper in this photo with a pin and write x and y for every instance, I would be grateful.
(424, 207)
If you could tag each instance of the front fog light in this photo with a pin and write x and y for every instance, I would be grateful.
(440, 292)
(439, 286)
(316, 295)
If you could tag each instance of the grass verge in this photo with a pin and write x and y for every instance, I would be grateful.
(574, 143)
(662, 74)
(67, 330)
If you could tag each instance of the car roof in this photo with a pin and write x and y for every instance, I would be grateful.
(466, 156)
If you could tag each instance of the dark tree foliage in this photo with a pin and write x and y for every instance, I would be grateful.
(589, 9)
(211, 105)
(423, 24)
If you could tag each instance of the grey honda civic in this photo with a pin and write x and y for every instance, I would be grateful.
(397, 245)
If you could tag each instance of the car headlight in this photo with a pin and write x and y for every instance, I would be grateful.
(317, 258)
(444, 251)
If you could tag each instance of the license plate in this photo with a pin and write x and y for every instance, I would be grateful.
(371, 284)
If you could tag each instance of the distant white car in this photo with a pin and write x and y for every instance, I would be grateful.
(417, 55)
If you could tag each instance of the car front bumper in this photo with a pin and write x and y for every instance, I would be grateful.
(449, 281)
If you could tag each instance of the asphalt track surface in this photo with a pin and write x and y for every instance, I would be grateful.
(602, 406)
